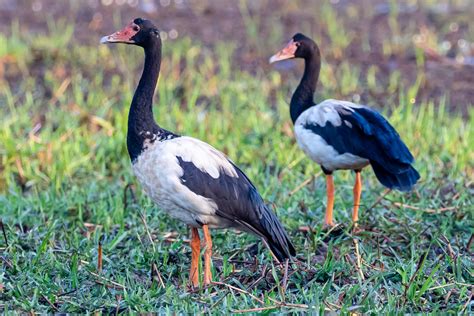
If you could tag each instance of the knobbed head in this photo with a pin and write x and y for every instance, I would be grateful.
(300, 46)
(139, 32)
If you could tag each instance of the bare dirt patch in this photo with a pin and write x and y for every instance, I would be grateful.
(440, 30)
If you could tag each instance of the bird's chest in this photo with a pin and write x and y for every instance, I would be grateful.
(155, 173)
(159, 173)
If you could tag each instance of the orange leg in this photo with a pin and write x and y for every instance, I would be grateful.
(195, 252)
(207, 255)
(328, 220)
(357, 192)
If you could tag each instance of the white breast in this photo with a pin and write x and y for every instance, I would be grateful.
(159, 172)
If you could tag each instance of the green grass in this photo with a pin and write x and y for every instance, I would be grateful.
(65, 170)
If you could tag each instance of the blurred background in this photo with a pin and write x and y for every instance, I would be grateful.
(394, 44)
(387, 54)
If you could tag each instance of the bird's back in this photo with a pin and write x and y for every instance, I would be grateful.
(342, 129)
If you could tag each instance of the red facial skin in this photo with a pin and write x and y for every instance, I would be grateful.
(286, 53)
(123, 36)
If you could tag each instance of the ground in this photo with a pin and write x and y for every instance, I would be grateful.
(66, 184)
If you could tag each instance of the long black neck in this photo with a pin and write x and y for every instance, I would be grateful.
(303, 97)
(142, 128)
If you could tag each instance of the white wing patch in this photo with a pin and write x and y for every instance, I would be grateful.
(326, 112)
(159, 172)
(202, 155)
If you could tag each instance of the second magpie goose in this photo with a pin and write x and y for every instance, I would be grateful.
(344, 135)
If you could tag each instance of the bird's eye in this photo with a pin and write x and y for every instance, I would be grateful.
(136, 28)
(298, 43)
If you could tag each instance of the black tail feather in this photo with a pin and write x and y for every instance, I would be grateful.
(404, 180)
(268, 227)
(282, 251)
(275, 235)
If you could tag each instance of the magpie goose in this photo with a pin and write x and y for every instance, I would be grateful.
(344, 135)
(189, 179)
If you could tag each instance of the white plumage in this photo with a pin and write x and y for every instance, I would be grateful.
(325, 112)
(159, 172)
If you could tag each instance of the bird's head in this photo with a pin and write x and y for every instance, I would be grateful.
(138, 32)
(300, 46)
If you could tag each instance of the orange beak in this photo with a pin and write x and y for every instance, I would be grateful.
(123, 36)
(287, 52)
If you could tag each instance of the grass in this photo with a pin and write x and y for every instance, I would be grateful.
(66, 186)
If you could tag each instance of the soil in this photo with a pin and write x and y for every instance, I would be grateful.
(446, 71)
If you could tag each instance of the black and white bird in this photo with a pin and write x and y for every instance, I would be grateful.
(188, 178)
(344, 135)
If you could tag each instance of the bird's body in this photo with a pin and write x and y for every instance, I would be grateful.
(341, 135)
(160, 171)
(196, 183)
(188, 178)
(314, 132)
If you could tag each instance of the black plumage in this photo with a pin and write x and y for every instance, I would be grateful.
(365, 133)
(238, 201)
(343, 135)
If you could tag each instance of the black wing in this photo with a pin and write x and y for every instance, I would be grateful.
(367, 134)
(237, 200)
